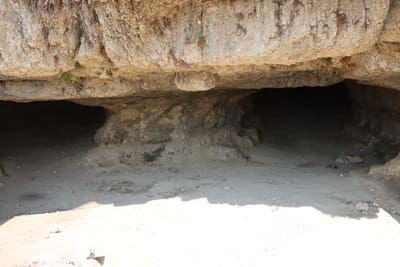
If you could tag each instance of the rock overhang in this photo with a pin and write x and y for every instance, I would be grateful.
(74, 49)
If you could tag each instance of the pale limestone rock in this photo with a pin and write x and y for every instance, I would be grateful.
(194, 81)
(133, 58)
(389, 169)
(391, 32)
(168, 45)
(362, 206)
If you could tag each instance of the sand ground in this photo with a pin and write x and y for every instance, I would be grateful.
(283, 207)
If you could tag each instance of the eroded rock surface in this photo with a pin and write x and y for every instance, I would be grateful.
(126, 47)
(144, 60)
(375, 121)
(191, 122)
(376, 111)
(389, 169)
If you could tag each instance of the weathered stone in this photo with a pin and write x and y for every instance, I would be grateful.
(391, 32)
(376, 111)
(208, 118)
(349, 159)
(389, 169)
(194, 81)
(362, 206)
(136, 57)
(168, 45)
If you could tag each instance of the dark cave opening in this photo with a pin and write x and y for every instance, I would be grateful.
(292, 119)
(325, 123)
(303, 111)
(303, 124)
(47, 123)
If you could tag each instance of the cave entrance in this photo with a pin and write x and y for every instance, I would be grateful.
(27, 128)
(308, 122)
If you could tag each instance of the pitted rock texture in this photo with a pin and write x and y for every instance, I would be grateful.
(73, 49)
(375, 120)
(205, 118)
(161, 68)
(390, 170)
(177, 126)
(376, 111)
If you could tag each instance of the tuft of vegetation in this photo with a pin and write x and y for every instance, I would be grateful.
(67, 77)
(153, 155)
(335, 71)
(107, 62)
(328, 60)
(80, 34)
(77, 65)
(202, 41)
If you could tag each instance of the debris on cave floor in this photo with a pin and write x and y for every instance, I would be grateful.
(308, 165)
(362, 206)
(332, 166)
(361, 147)
(122, 187)
(349, 159)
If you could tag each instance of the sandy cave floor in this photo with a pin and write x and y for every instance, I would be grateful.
(283, 207)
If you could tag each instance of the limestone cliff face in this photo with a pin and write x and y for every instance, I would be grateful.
(72, 49)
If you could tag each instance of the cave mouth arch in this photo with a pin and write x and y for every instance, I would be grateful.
(304, 123)
(283, 116)
(324, 124)
(288, 119)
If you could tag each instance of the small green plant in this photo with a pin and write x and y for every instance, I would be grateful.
(153, 155)
(335, 71)
(107, 62)
(328, 60)
(67, 76)
(77, 65)
(202, 41)
(80, 34)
